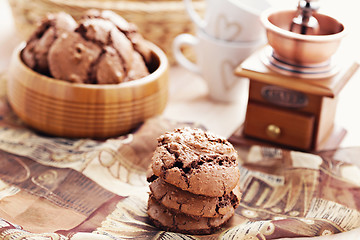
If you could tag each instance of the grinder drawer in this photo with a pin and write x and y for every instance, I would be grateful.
(280, 126)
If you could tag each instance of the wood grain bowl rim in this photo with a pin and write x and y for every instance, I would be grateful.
(78, 124)
(92, 115)
(75, 107)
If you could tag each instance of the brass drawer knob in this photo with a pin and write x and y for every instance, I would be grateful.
(273, 131)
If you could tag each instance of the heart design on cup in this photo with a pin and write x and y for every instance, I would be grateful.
(227, 74)
(225, 29)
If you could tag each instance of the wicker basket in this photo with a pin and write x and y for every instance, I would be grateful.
(159, 21)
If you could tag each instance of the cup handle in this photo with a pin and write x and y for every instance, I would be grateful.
(185, 40)
(193, 14)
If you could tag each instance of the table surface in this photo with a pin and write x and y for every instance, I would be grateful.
(188, 92)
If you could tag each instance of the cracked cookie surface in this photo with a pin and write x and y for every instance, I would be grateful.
(191, 204)
(169, 221)
(196, 161)
(100, 48)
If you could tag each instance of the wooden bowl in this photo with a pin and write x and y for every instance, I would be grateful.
(66, 109)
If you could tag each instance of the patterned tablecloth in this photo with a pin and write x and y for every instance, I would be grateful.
(57, 188)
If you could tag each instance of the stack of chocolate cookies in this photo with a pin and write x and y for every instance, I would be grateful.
(193, 182)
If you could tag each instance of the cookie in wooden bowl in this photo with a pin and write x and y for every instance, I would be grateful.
(87, 79)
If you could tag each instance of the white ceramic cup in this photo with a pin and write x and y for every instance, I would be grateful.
(216, 61)
(231, 20)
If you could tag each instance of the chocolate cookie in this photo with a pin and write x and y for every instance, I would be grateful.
(129, 29)
(196, 161)
(202, 206)
(93, 50)
(167, 220)
(35, 54)
(71, 56)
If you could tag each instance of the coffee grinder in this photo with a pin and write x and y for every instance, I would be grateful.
(295, 81)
